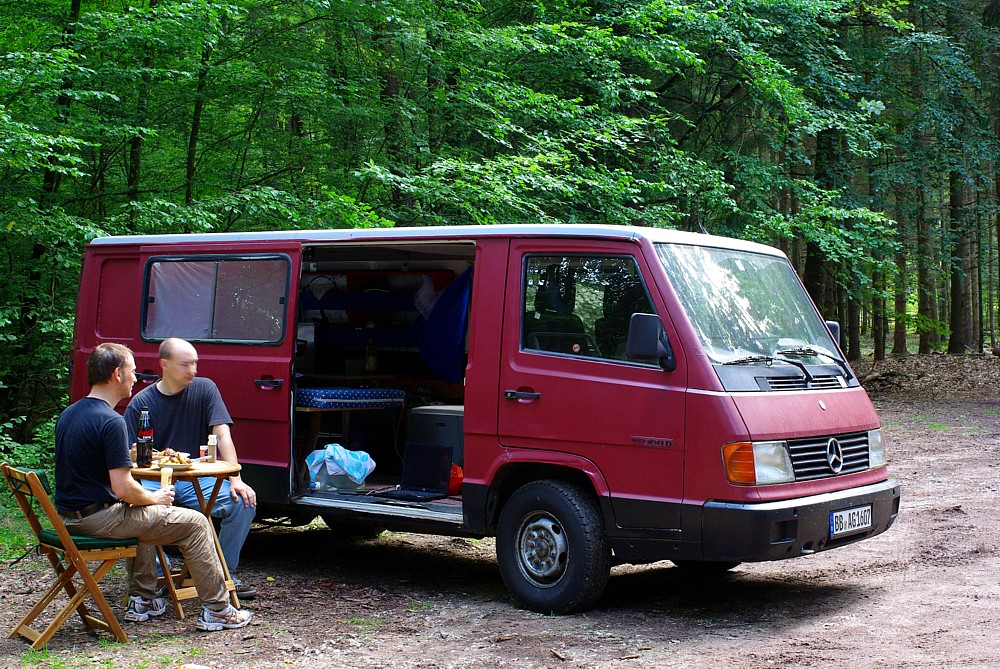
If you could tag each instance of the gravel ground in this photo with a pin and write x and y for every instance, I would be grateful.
(924, 594)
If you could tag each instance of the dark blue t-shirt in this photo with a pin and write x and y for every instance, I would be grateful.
(90, 440)
(182, 421)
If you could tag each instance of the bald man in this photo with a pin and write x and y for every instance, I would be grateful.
(185, 409)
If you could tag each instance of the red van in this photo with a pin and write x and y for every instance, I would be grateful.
(610, 394)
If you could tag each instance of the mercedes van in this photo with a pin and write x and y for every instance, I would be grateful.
(593, 395)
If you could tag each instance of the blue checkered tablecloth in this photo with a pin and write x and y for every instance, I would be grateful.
(350, 398)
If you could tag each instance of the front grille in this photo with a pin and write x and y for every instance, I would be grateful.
(809, 456)
(824, 382)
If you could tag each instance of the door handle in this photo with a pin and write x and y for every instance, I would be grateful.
(521, 395)
(268, 383)
(145, 377)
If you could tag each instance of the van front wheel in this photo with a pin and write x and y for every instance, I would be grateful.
(551, 547)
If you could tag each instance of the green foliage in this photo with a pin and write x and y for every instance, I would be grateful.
(187, 116)
(15, 534)
(36, 455)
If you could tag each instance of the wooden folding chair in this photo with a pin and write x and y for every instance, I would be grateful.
(69, 556)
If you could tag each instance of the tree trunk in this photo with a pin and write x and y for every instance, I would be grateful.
(134, 168)
(199, 107)
(957, 304)
(52, 178)
(925, 290)
(899, 307)
(977, 299)
(994, 259)
(830, 175)
(385, 37)
(853, 328)
(879, 321)
(29, 390)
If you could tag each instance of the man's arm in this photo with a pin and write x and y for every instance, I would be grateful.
(227, 451)
(129, 490)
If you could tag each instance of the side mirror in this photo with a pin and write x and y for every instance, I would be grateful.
(834, 328)
(647, 339)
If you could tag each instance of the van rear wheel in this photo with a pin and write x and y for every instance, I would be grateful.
(551, 547)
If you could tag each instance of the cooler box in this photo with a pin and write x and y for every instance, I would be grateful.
(439, 424)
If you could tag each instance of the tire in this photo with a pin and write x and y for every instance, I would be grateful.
(700, 568)
(349, 530)
(551, 547)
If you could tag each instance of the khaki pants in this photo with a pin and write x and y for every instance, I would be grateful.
(162, 525)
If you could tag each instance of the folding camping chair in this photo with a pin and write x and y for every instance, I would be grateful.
(69, 556)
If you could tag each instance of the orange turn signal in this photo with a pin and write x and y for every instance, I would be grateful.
(739, 462)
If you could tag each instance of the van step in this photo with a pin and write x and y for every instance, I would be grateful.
(383, 507)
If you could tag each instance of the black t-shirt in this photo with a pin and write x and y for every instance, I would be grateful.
(182, 421)
(90, 440)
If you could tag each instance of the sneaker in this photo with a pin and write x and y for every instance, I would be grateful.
(228, 618)
(139, 610)
(244, 591)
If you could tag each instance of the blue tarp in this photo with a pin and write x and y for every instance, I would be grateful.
(442, 334)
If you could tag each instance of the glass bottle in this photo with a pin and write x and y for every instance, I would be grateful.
(144, 443)
(371, 357)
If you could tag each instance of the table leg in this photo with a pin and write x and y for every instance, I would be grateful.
(168, 579)
(187, 590)
(207, 510)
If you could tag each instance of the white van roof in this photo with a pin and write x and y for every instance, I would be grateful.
(445, 233)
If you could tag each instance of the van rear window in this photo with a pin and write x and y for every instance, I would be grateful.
(216, 298)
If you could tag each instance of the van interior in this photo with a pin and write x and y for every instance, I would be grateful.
(381, 349)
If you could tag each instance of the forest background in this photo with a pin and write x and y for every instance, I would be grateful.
(860, 137)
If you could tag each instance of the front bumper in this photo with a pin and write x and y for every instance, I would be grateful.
(742, 532)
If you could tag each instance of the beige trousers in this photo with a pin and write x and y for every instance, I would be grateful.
(162, 525)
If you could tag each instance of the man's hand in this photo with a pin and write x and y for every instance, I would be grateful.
(128, 489)
(240, 491)
(164, 495)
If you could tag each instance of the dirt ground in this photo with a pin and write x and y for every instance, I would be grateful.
(924, 594)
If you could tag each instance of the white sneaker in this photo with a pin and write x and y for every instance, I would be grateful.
(228, 618)
(139, 610)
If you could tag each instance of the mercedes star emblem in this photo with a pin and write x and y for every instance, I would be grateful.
(834, 456)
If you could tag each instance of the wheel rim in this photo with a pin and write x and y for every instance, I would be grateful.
(543, 551)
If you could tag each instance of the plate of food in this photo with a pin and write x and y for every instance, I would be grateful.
(171, 458)
(176, 466)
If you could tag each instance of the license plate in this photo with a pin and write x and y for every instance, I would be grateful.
(850, 521)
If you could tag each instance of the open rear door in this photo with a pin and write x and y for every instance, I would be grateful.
(237, 306)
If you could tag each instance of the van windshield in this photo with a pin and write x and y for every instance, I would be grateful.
(746, 307)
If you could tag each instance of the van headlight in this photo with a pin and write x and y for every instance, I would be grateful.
(758, 463)
(876, 451)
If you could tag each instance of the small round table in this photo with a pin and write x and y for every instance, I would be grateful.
(183, 587)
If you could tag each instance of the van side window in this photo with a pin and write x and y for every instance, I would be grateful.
(213, 298)
(581, 305)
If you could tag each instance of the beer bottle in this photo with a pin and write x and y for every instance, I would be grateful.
(144, 443)
(371, 357)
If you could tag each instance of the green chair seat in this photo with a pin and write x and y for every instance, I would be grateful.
(85, 543)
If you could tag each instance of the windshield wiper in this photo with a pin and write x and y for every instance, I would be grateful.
(810, 351)
(746, 360)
